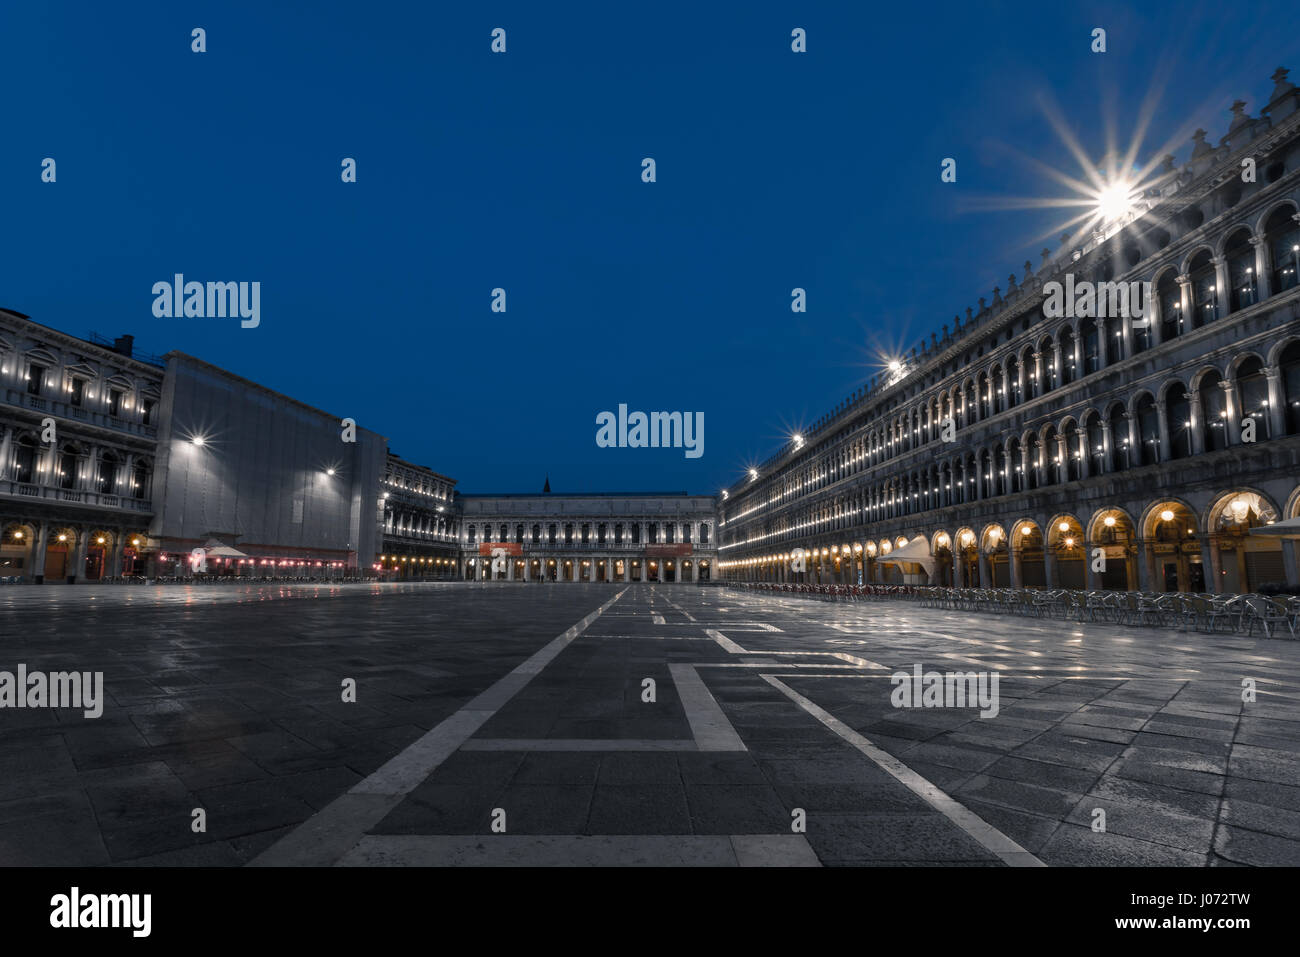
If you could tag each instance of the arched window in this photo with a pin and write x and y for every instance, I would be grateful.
(109, 467)
(1252, 388)
(25, 465)
(1241, 271)
(1072, 466)
(1120, 457)
(1000, 467)
(140, 480)
(1215, 407)
(1014, 394)
(1034, 448)
(1148, 430)
(999, 390)
(1205, 305)
(1015, 470)
(1096, 444)
(1091, 346)
(67, 473)
(1051, 457)
(1289, 363)
(1033, 388)
(1282, 234)
(1170, 297)
(1178, 420)
(984, 395)
(1069, 372)
(1051, 375)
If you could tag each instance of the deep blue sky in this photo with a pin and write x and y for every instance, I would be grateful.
(522, 170)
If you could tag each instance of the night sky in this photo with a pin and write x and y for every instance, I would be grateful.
(523, 171)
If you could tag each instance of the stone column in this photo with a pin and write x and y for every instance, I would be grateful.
(1103, 344)
(1263, 269)
(1134, 441)
(1085, 461)
(1145, 561)
(1197, 418)
(1232, 425)
(38, 556)
(1107, 447)
(77, 573)
(1063, 453)
(1162, 419)
(1185, 302)
(119, 547)
(1276, 403)
(1210, 553)
(1221, 300)
(1091, 579)
(1153, 318)
(1049, 562)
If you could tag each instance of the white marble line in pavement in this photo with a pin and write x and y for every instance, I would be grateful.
(335, 829)
(984, 833)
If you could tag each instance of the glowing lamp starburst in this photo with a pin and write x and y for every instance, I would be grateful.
(1115, 201)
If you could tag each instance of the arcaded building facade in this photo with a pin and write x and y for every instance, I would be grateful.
(420, 523)
(78, 448)
(1021, 449)
(615, 537)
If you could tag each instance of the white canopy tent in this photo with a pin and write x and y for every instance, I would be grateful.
(917, 550)
(218, 549)
(1288, 529)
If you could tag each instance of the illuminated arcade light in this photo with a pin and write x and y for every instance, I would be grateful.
(198, 440)
(1109, 521)
(329, 471)
(1064, 526)
(1167, 516)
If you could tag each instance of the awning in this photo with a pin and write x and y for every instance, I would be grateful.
(1288, 529)
(216, 549)
(917, 550)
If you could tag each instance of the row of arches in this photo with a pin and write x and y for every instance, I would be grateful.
(602, 534)
(54, 551)
(1168, 545)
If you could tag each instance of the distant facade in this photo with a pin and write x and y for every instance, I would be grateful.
(615, 537)
(421, 523)
(1021, 449)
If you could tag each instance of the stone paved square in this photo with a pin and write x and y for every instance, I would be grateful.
(492, 727)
